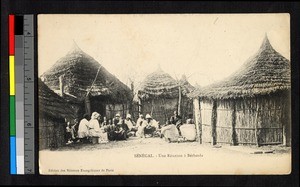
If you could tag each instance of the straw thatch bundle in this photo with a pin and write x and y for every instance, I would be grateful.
(51, 104)
(265, 73)
(186, 87)
(158, 84)
(79, 71)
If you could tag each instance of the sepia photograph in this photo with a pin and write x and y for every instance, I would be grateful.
(164, 94)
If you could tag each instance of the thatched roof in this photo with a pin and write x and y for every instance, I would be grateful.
(79, 71)
(161, 84)
(185, 85)
(52, 104)
(265, 73)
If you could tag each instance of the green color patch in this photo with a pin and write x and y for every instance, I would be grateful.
(12, 115)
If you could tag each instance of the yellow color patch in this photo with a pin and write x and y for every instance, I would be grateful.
(11, 75)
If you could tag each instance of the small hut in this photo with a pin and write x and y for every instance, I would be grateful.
(53, 110)
(252, 106)
(160, 95)
(82, 81)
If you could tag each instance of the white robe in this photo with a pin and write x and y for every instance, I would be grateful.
(170, 132)
(83, 130)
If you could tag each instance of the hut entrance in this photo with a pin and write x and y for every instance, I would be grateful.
(98, 105)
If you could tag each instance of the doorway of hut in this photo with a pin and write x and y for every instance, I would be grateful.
(98, 105)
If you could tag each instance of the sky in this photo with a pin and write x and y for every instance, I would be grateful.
(205, 47)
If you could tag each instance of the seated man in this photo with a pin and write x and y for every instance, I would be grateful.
(148, 125)
(121, 129)
(132, 128)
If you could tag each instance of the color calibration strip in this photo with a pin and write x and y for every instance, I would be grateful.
(12, 103)
(21, 76)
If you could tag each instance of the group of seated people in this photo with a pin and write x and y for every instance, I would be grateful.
(109, 130)
(120, 129)
(175, 130)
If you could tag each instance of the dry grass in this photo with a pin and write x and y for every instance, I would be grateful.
(51, 104)
(265, 73)
(79, 71)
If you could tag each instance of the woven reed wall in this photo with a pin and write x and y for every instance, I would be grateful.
(113, 109)
(224, 122)
(162, 109)
(51, 133)
(206, 112)
(258, 121)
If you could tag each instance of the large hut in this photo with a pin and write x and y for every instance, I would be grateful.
(160, 95)
(82, 81)
(53, 110)
(252, 106)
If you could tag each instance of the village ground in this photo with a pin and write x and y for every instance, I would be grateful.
(137, 156)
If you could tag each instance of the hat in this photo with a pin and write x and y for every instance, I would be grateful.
(128, 116)
(148, 116)
(117, 115)
(95, 115)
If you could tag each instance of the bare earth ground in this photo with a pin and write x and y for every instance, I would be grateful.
(155, 156)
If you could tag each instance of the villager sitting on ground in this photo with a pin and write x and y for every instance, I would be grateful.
(110, 129)
(70, 137)
(140, 120)
(132, 128)
(176, 120)
(148, 125)
(170, 132)
(188, 130)
(120, 131)
(104, 122)
(83, 131)
(95, 130)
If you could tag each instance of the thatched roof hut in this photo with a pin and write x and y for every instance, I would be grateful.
(160, 95)
(158, 84)
(186, 87)
(264, 73)
(79, 70)
(53, 110)
(161, 84)
(51, 104)
(252, 106)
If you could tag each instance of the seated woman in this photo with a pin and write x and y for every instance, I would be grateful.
(95, 130)
(170, 132)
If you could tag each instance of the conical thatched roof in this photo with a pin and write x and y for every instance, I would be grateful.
(52, 104)
(79, 71)
(158, 84)
(266, 72)
(185, 85)
(161, 84)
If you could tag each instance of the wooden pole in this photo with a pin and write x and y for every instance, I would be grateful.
(140, 106)
(214, 123)
(256, 121)
(88, 105)
(233, 118)
(198, 122)
(179, 100)
(284, 135)
(152, 104)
